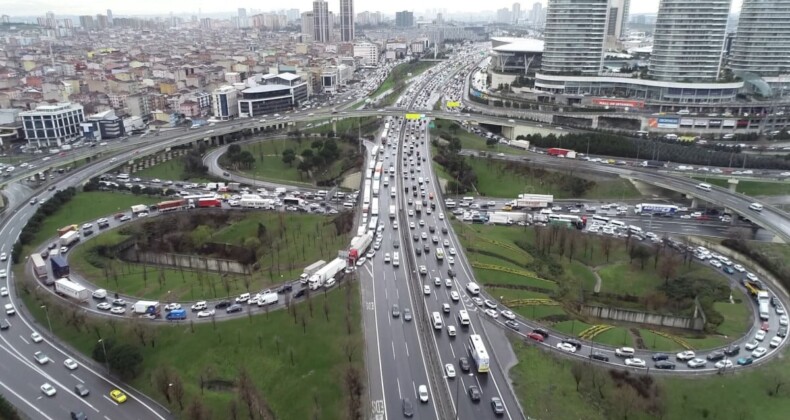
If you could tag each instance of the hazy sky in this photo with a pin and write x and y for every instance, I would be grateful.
(123, 7)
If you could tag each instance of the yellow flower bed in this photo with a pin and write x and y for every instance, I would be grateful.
(593, 331)
(522, 273)
(517, 303)
(683, 343)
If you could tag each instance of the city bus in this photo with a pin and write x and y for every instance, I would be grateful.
(568, 220)
(478, 353)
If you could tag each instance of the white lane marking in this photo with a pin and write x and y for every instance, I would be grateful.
(394, 356)
(400, 395)
(378, 340)
(76, 377)
(110, 400)
(21, 398)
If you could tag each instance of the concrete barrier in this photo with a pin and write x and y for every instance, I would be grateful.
(639, 317)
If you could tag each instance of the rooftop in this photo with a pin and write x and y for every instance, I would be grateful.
(265, 88)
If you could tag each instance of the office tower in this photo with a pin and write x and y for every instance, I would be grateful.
(346, 20)
(308, 27)
(242, 21)
(109, 17)
(618, 17)
(292, 14)
(516, 12)
(52, 125)
(762, 42)
(86, 22)
(574, 36)
(101, 21)
(321, 21)
(404, 19)
(225, 103)
(688, 40)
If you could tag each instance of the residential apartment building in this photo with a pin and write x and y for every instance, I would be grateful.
(225, 103)
(574, 36)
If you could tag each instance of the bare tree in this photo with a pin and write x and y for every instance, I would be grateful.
(233, 410)
(577, 370)
(606, 246)
(177, 388)
(197, 410)
(354, 387)
(161, 380)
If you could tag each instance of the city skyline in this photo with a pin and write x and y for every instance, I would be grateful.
(154, 7)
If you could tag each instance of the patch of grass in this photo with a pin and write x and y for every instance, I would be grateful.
(615, 337)
(737, 316)
(656, 342)
(471, 141)
(572, 328)
(752, 188)
(279, 354)
(172, 170)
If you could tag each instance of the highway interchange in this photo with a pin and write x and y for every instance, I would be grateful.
(407, 371)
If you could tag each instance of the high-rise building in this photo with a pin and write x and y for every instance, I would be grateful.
(346, 20)
(536, 14)
(516, 14)
(574, 36)
(225, 103)
(109, 17)
(321, 21)
(503, 15)
(242, 20)
(292, 14)
(688, 40)
(308, 27)
(86, 22)
(404, 19)
(369, 53)
(618, 17)
(762, 42)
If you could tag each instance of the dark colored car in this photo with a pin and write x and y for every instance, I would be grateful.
(444, 230)
(732, 350)
(474, 393)
(408, 408)
(432, 229)
(299, 293)
(715, 356)
(415, 237)
(426, 248)
(660, 356)
(234, 308)
(599, 356)
(463, 362)
(497, 406)
(451, 272)
(512, 324)
(574, 343)
(782, 332)
(418, 251)
(535, 336)
(743, 361)
(222, 304)
(664, 364)
(81, 390)
(79, 415)
(396, 244)
(4, 325)
(542, 332)
(285, 289)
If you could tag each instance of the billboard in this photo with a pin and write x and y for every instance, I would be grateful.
(728, 123)
(453, 104)
(663, 122)
(413, 116)
(686, 122)
(714, 123)
(618, 103)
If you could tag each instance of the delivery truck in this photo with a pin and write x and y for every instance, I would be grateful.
(326, 272)
(177, 314)
(60, 268)
(208, 202)
(62, 231)
(171, 205)
(139, 208)
(69, 238)
(393, 211)
(310, 270)
(359, 245)
(268, 299)
(147, 307)
(68, 288)
(39, 267)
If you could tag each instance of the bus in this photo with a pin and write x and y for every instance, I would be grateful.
(478, 353)
(659, 209)
(568, 220)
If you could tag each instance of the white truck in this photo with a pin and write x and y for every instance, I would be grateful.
(326, 272)
(531, 201)
(310, 270)
(268, 299)
(254, 201)
(146, 307)
(393, 211)
(69, 238)
(139, 208)
(764, 304)
(73, 290)
(507, 218)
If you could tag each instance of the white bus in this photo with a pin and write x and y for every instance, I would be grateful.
(478, 352)
(375, 208)
(122, 177)
(436, 318)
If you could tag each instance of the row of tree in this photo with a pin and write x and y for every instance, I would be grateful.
(239, 159)
(34, 223)
(464, 178)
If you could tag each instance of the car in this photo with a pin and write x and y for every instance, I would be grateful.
(446, 308)
(775, 342)
(624, 352)
(508, 314)
(437, 281)
(3, 273)
(48, 390)
(635, 362)
(751, 345)
(664, 364)
(222, 304)
(4, 324)
(474, 393)
(512, 324)
(387, 258)
(732, 350)
(81, 390)
(535, 336)
(118, 310)
(70, 364)
(599, 356)
(490, 303)
(3, 291)
(104, 306)
(782, 319)
(422, 391)
(696, 363)
(739, 268)
(395, 311)
(455, 296)
(568, 348)
(448, 282)
(119, 302)
(759, 335)
(408, 408)
(781, 332)
(723, 364)
(206, 313)
(451, 330)
(41, 358)
(744, 361)
(780, 310)
(660, 356)
(496, 405)
(686, 355)
(727, 269)
(3, 256)
(463, 363)
(715, 356)
(118, 396)
(759, 352)
(492, 313)
(449, 369)
(36, 337)
(172, 306)
(406, 314)
(234, 308)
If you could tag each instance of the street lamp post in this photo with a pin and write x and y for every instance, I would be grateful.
(46, 311)
(104, 349)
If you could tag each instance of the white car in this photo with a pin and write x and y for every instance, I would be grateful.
(775, 342)
(759, 335)
(41, 358)
(387, 257)
(759, 352)
(422, 391)
(569, 348)
(452, 251)
(172, 306)
(634, 362)
(696, 363)
(751, 277)
(492, 313)
(118, 310)
(361, 261)
(206, 313)
(36, 337)
(3, 291)
(3, 256)
(451, 330)
(448, 282)
(783, 320)
(104, 306)
(426, 289)
(48, 390)
(70, 364)
(449, 369)
(739, 268)
(686, 355)
(751, 345)
(3, 273)
(508, 314)
(715, 263)
(450, 260)
(455, 296)
(441, 216)
(723, 364)
(199, 306)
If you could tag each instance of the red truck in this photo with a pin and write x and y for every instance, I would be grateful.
(171, 205)
(209, 202)
(556, 151)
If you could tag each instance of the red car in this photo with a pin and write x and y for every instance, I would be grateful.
(535, 336)
(764, 326)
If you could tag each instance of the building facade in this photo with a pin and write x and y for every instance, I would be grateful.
(369, 53)
(762, 42)
(53, 125)
(321, 28)
(280, 92)
(688, 40)
(308, 27)
(224, 103)
(618, 17)
(404, 19)
(574, 36)
(347, 20)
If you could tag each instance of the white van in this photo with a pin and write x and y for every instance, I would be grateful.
(392, 192)
(386, 181)
(756, 206)
(600, 218)
(419, 180)
(122, 177)
(473, 288)
(463, 317)
(703, 186)
(436, 318)
(617, 223)
(395, 259)
(635, 229)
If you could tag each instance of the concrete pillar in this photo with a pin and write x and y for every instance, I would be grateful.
(595, 121)
(732, 183)
(334, 126)
(694, 203)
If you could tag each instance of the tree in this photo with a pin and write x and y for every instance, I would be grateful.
(668, 267)
(177, 389)
(98, 351)
(289, 156)
(125, 359)
(200, 235)
(606, 246)
(641, 253)
(577, 370)
(7, 411)
(161, 380)
(197, 410)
